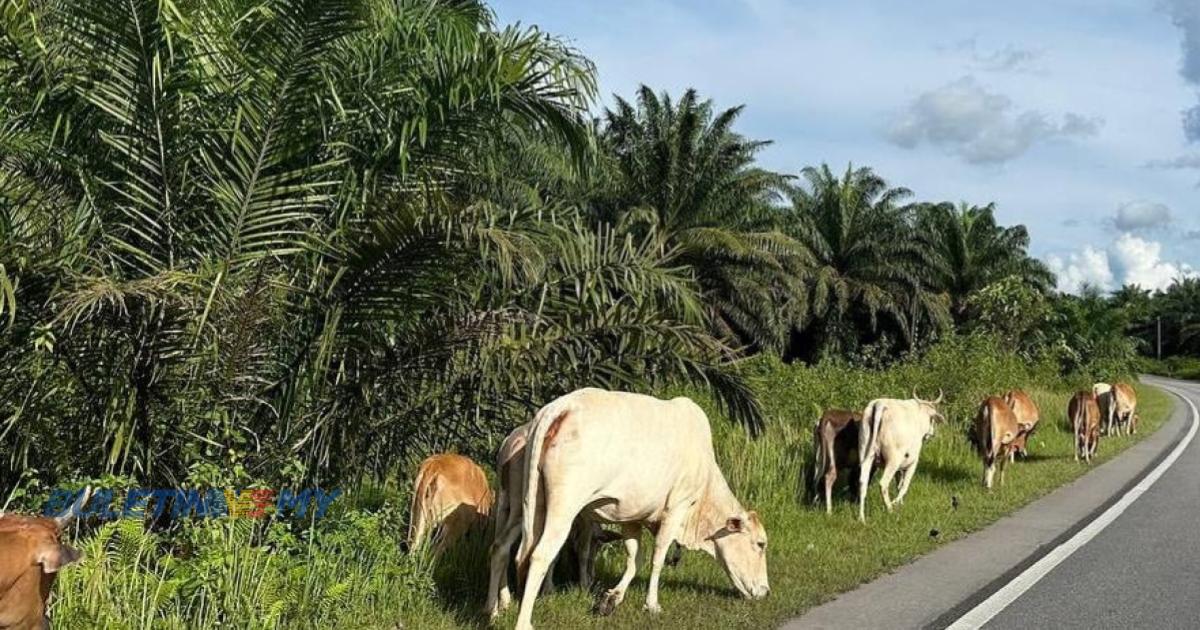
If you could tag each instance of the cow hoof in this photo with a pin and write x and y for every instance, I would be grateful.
(653, 609)
(609, 602)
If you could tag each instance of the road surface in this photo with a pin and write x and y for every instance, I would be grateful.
(1142, 571)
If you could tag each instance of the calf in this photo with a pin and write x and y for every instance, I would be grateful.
(836, 441)
(1084, 412)
(636, 461)
(1026, 412)
(996, 431)
(1124, 408)
(451, 493)
(31, 554)
(893, 430)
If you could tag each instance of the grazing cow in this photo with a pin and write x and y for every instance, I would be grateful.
(1124, 408)
(836, 440)
(893, 430)
(586, 534)
(1104, 396)
(451, 493)
(1084, 412)
(996, 431)
(633, 460)
(1026, 412)
(31, 554)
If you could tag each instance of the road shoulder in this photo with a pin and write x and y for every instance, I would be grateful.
(937, 588)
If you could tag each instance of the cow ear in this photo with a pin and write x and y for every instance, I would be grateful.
(56, 556)
(735, 524)
(1025, 426)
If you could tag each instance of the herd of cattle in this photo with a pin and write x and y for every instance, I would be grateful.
(596, 457)
(634, 461)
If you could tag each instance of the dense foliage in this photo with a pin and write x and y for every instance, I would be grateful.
(315, 240)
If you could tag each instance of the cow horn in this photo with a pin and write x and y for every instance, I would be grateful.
(940, 398)
(68, 516)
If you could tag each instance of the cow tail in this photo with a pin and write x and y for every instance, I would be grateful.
(987, 440)
(1077, 422)
(876, 420)
(818, 461)
(416, 514)
(533, 461)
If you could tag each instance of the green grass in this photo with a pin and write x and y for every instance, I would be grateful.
(814, 557)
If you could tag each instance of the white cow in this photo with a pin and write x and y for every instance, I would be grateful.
(1104, 398)
(636, 461)
(893, 430)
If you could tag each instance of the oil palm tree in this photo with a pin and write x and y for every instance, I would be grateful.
(252, 234)
(679, 171)
(972, 251)
(869, 262)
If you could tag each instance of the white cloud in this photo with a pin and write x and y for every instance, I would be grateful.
(1129, 259)
(1142, 215)
(1139, 261)
(980, 126)
(1087, 267)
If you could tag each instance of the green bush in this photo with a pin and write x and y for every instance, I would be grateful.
(1187, 368)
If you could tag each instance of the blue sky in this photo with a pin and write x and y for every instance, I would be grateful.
(1074, 116)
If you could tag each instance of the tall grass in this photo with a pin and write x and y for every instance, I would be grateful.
(348, 570)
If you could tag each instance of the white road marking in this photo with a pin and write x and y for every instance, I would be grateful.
(1009, 593)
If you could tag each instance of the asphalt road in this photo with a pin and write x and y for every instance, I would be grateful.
(1142, 571)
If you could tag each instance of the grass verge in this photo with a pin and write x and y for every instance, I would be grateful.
(814, 557)
(348, 571)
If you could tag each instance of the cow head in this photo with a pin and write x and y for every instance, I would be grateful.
(31, 555)
(930, 408)
(741, 548)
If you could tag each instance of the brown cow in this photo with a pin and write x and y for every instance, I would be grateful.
(1124, 411)
(1027, 413)
(31, 554)
(1084, 412)
(996, 429)
(836, 441)
(451, 492)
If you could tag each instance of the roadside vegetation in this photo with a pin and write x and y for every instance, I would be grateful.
(348, 570)
(310, 242)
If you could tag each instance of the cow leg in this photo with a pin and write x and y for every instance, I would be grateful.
(454, 527)
(989, 471)
(905, 479)
(585, 544)
(864, 482)
(830, 479)
(667, 531)
(498, 596)
(555, 529)
(614, 596)
(885, 482)
(1003, 465)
